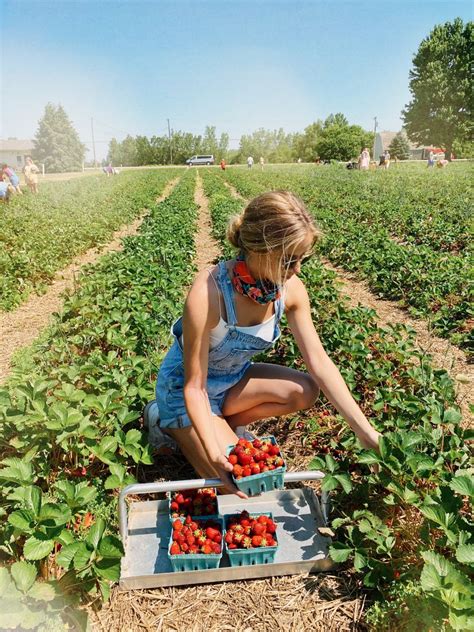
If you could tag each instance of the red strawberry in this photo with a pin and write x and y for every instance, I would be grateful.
(247, 542)
(179, 498)
(174, 506)
(232, 546)
(258, 528)
(257, 443)
(206, 549)
(237, 470)
(247, 471)
(257, 540)
(245, 458)
(274, 450)
(175, 549)
(177, 525)
(255, 468)
(229, 537)
(233, 459)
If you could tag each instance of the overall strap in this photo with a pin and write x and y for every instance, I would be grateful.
(227, 293)
(280, 307)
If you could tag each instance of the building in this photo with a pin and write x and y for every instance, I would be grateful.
(14, 151)
(417, 152)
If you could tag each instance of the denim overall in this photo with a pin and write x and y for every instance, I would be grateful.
(228, 361)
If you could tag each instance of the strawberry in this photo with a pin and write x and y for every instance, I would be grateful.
(257, 540)
(175, 549)
(174, 506)
(229, 537)
(247, 542)
(258, 528)
(247, 471)
(245, 458)
(238, 538)
(177, 525)
(257, 443)
(179, 498)
(88, 520)
(185, 547)
(255, 468)
(232, 546)
(190, 540)
(274, 450)
(237, 470)
(263, 519)
(206, 549)
(233, 459)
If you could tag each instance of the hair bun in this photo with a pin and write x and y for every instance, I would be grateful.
(233, 230)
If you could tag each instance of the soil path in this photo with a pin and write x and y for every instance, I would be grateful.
(20, 327)
(444, 354)
(322, 602)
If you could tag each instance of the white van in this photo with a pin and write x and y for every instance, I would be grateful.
(201, 160)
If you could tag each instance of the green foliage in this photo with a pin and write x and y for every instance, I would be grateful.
(423, 457)
(340, 141)
(42, 233)
(399, 147)
(57, 143)
(68, 423)
(441, 110)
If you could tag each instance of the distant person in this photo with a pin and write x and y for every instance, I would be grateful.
(431, 159)
(11, 175)
(381, 160)
(386, 159)
(299, 161)
(6, 189)
(223, 165)
(250, 162)
(110, 169)
(364, 159)
(31, 171)
(441, 163)
(262, 162)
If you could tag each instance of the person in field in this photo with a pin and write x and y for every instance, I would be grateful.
(31, 171)
(6, 189)
(364, 159)
(262, 162)
(250, 162)
(208, 388)
(223, 165)
(14, 179)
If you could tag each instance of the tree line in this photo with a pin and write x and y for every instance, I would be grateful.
(440, 113)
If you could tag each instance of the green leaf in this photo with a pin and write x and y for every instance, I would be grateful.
(339, 552)
(37, 548)
(430, 579)
(329, 483)
(82, 556)
(345, 482)
(465, 554)
(66, 554)
(360, 561)
(96, 532)
(463, 485)
(110, 546)
(112, 482)
(24, 575)
(42, 592)
(133, 436)
(22, 519)
(33, 498)
(108, 568)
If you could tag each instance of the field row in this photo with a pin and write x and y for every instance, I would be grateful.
(41, 234)
(411, 524)
(358, 214)
(68, 423)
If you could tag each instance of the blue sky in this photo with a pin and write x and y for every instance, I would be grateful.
(238, 65)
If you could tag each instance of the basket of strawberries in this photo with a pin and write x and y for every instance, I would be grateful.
(196, 544)
(258, 465)
(193, 502)
(250, 538)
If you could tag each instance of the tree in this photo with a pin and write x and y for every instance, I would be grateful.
(305, 145)
(399, 147)
(441, 110)
(340, 141)
(57, 143)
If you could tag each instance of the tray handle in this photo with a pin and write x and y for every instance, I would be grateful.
(174, 486)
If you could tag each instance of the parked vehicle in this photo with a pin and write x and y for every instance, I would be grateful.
(207, 159)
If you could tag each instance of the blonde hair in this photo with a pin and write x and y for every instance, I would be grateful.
(274, 222)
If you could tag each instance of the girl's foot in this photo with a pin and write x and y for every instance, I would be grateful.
(161, 442)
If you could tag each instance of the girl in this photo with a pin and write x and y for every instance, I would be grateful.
(31, 174)
(208, 389)
(11, 175)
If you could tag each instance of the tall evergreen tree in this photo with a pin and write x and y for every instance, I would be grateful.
(57, 143)
(399, 147)
(441, 111)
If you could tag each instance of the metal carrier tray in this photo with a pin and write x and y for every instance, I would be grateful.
(146, 530)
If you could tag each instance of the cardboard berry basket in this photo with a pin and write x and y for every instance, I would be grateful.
(251, 556)
(169, 496)
(197, 561)
(264, 482)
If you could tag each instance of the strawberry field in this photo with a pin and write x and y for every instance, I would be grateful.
(41, 234)
(70, 420)
(408, 232)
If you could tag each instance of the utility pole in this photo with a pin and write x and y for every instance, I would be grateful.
(375, 136)
(93, 141)
(171, 147)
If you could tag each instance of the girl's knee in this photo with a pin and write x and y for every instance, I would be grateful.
(306, 393)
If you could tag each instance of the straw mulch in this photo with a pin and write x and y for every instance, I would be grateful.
(321, 602)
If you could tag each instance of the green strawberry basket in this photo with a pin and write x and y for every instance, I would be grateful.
(198, 561)
(249, 557)
(265, 481)
(169, 496)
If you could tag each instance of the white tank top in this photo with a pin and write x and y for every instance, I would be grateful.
(263, 330)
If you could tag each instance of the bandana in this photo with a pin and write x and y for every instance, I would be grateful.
(260, 291)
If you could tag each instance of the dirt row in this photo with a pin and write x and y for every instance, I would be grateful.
(21, 327)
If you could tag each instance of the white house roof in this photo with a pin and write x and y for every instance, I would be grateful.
(16, 144)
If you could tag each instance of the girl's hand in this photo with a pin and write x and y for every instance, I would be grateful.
(371, 440)
(224, 468)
